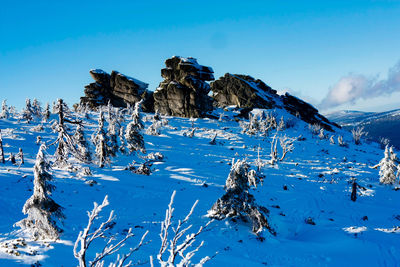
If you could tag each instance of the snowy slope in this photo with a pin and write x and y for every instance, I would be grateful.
(316, 176)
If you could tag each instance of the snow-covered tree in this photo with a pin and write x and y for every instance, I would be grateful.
(112, 135)
(82, 145)
(238, 202)
(42, 211)
(28, 111)
(20, 155)
(46, 112)
(3, 160)
(387, 167)
(88, 235)
(133, 136)
(122, 142)
(36, 108)
(65, 142)
(4, 114)
(100, 141)
(178, 254)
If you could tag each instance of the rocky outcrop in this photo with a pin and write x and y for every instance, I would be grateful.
(246, 92)
(306, 112)
(243, 91)
(117, 88)
(184, 91)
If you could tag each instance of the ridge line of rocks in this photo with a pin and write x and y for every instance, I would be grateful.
(184, 92)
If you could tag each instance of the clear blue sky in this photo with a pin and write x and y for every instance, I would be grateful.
(306, 47)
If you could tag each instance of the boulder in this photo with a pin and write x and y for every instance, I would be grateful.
(184, 90)
(117, 88)
(243, 91)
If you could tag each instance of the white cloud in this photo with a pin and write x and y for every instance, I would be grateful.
(356, 86)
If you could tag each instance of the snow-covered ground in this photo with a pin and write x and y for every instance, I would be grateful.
(307, 194)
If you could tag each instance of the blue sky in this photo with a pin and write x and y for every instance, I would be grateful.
(335, 54)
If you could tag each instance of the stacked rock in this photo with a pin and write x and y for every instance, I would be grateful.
(117, 88)
(184, 91)
(243, 91)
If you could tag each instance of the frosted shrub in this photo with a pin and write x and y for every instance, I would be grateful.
(177, 240)
(112, 135)
(387, 167)
(28, 111)
(3, 159)
(286, 145)
(238, 202)
(65, 142)
(341, 142)
(82, 144)
(314, 128)
(4, 114)
(42, 211)
(133, 136)
(321, 134)
(357, 134)
(100, 141)
(36, 108)
(154, 128)
(384, 142)
(88, 235)
(46, 112)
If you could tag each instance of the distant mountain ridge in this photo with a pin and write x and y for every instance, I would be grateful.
(377, 124)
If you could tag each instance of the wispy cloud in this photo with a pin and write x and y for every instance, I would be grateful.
(356, 86)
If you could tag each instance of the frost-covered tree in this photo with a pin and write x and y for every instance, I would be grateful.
(42, 211)
(133, 136)
(3, 160)
(238, 202)
(4, 114)
(286, 145)
(36, 108)
(387, 167)
(112, 136)
(122, 142)
(281, 124)
(46, 112)
(28, 111)
(100, 141)
(357, 134)
(20, 155)
(82, 145)
(65, 142)
(178, 244)
(88, 235)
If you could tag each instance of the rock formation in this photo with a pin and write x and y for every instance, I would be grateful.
(184, 91)
(117, 88)
(306, 112)
(243, 91)
(246, 92)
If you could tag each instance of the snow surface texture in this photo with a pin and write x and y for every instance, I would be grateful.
(307, 194)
